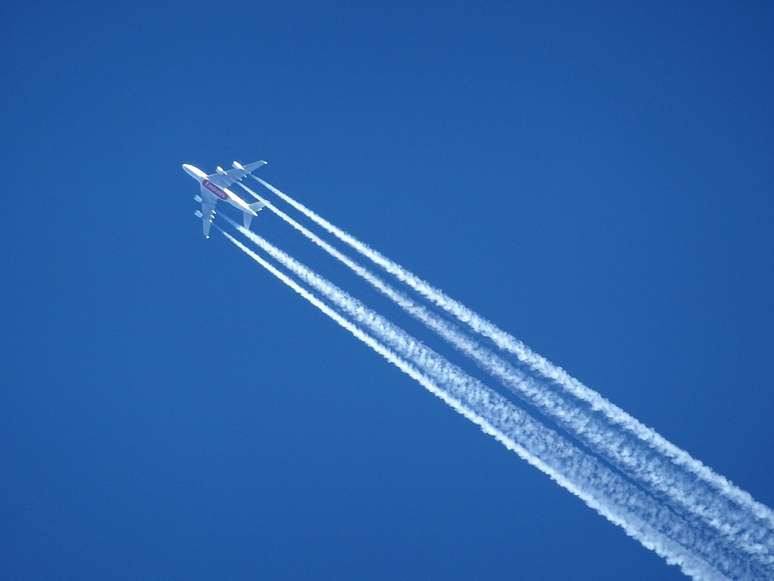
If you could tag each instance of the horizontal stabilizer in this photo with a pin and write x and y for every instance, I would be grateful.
(247, 219)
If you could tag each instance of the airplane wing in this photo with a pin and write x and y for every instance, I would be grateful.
(208, 215)
(230, 176)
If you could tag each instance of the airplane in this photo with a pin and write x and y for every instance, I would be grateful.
(214, 187)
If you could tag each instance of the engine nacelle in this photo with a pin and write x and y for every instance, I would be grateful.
(238, 165)
(198, 199)
(198, 213)
(220, 170)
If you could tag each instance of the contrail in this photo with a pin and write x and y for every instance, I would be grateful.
(539, 364)
(638, 513)
(632, 456)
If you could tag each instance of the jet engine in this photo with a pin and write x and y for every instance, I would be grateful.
(198, 199)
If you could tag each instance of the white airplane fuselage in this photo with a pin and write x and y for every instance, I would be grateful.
(216, 192)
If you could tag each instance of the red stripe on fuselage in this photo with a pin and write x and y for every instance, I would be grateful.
(215, 189)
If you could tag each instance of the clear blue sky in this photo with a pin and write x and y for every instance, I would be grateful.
(597, 179)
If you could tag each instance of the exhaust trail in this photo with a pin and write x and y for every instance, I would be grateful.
(540, 365)
(641, 515)
(629, 454)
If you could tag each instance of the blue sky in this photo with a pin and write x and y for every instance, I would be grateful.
(595, 178)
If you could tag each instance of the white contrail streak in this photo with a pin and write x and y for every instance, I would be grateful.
(631, 455)
(624, 504)
(540, 365)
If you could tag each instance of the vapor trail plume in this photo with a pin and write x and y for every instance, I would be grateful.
(629, 454)
(697, 550)
(545, 368)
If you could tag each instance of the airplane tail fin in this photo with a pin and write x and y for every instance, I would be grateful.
(248, 218)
